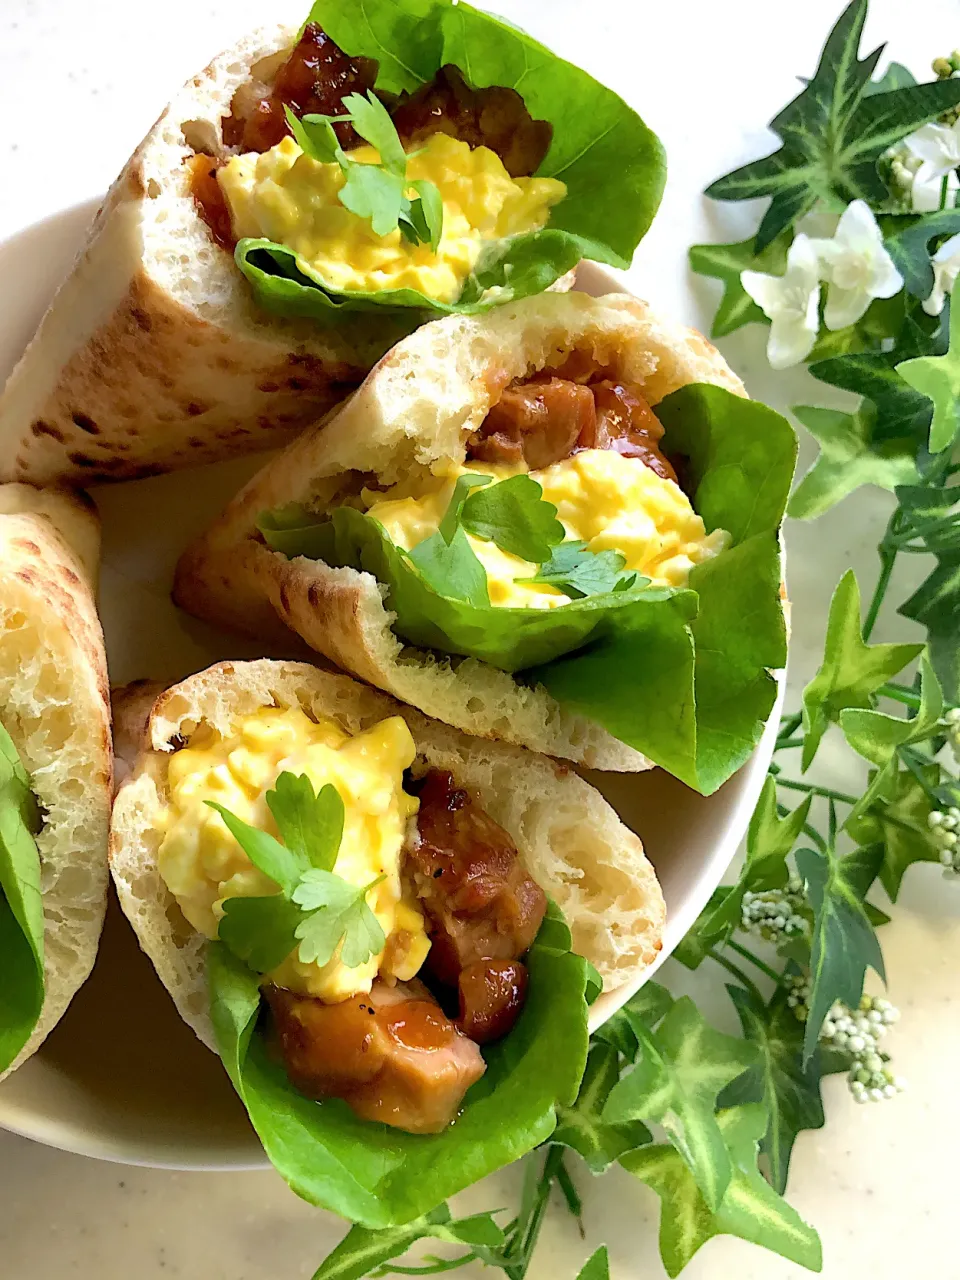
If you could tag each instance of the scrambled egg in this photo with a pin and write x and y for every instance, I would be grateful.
(203, 865)
(610, 502)
(292, 199)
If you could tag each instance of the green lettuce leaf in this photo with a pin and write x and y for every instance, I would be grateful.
(613, 166)
(381, 1177)
(681, 674)
(21, 906)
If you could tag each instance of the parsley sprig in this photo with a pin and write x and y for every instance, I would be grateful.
(315, 911)
(514, 515)
(374, 191)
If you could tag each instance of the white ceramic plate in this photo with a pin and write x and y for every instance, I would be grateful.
(122, 1078)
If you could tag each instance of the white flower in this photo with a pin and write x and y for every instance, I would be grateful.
(937, 146)
(820, 223)
(857, 266)
(791, 302)
(921, 197)
(946, 268)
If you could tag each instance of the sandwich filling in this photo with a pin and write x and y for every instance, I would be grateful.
(475, 148)
(427, 964)
(288, 197)
(593, 448)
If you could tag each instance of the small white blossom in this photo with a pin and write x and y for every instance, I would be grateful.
(856, 1032)
(944, 827)
(937, 147)
(791, 302)
(774, 914)
(857, 266)
(946, 268)
(819, 224)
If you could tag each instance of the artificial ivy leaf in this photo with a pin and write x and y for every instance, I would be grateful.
(452, 568)
(937, 377)
(581, 1127)
(751, 1209)
(725, 262)
(648, 1005)
(898, 822)
(364, 1249)
(579, 572)
(834, 133)
(876, 736)
(880, 786)
(339, 917)
(515, 516)
(311, 825)
(695, 945)
(260, 931)
(842, 941)
(900, 414)
(936, 605)
(789, 1090)
(282, 865)
(850, 456)
(769, 839)
(683, 1066)
(851, 670)
(597, 1266)
(910, 249)
(933, 512)
(896, 76)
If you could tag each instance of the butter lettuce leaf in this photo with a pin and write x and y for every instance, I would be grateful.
(377, 1176)
(681, 674)
(21, 906)
(613, 166)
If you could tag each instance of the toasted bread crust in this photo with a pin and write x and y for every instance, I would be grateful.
(54, 703)
(153, 355)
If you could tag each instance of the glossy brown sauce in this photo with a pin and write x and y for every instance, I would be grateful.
(553, 414)
(315, 78)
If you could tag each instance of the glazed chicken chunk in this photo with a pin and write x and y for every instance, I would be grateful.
(392, 1055)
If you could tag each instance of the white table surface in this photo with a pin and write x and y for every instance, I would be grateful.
(79, 85)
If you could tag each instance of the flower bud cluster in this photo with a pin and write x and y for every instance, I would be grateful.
(946, 69)
(857, 1033)
(775, 914)
(900, 170)
(944, 827)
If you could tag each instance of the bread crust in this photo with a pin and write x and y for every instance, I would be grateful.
(54, 704)
(568, 836)
(417, 407)
(153, 355)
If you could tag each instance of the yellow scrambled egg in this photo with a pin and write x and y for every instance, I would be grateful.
(203, 865)
(610, 502)
(292, 199)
